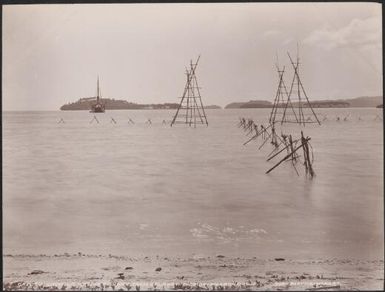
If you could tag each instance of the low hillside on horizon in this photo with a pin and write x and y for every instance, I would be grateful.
(362, 101)
(86, 103)
(113, 104)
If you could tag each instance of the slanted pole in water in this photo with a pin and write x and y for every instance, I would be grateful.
(286, 147)
(94, 118)
(307, 163)
(288, 155)
(263, 130)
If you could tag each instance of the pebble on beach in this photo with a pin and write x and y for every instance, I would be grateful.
(37, 272)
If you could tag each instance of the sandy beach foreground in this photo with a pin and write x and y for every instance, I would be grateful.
(123, 273)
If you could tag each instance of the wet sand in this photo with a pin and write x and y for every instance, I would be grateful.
(220, 272)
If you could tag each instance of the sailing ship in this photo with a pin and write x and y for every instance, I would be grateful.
(98, 107)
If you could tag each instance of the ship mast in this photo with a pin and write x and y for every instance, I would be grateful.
(98, 91)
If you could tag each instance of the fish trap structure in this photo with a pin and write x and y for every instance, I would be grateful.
(281, 98)
(293, 105)
(293, 157)
(191, 110)
(281, 143)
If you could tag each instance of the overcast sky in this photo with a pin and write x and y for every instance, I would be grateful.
(53, 53)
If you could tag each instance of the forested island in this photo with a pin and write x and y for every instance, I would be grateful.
(113, 104)
(268, 104)
(364, 101)
(212, 107)
(116, 104)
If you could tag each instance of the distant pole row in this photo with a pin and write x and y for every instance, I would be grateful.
(113, 121)
(346, 118)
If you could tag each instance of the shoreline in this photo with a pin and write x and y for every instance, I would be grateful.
(219, 272)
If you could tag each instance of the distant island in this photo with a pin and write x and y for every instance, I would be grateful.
(363, 101)
(212, 107)
(113, 104)
(118, 104)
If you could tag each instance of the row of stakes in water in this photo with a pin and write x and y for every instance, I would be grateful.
(113, 121)
(149, 122)
(347, 118)
(281, 143)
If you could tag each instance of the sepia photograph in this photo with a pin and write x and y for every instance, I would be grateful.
(192, 147)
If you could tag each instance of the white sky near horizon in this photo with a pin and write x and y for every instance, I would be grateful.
(52, 54)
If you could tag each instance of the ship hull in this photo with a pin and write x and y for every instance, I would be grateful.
(97, 109)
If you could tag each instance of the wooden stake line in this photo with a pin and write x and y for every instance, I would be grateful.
(94, 118)
(307, 162)
(286, 147)
(265, 140)
(249, 124)
(252, 129)
(287, 156)
(241, 123)
(260, 133)
(290, 145)
(274, 138)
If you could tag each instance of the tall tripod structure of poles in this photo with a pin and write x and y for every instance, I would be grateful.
(190, 110)
(297, 107)
(298, 96)
(281, 98)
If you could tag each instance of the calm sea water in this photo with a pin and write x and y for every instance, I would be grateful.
(151, 189)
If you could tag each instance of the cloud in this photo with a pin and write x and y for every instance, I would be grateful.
(271, 33)
(287, 41)
(359, 33)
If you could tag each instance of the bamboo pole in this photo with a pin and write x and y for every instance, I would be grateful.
(307, 162)
(264, 142)
(280, 151)
(263, 130)
(287, 156)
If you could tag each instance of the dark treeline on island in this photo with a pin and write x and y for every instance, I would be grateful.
(365, 101)
(212, 107)
(113, 104)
